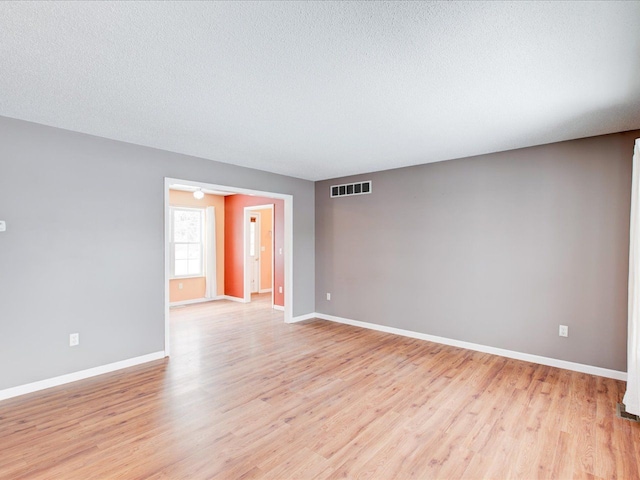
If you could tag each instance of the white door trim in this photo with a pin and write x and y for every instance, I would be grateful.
(288, 245)
(248, 268)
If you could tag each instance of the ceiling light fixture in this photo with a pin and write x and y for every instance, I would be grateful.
(198, 194)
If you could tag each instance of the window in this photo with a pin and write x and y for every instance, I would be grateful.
(187, 235)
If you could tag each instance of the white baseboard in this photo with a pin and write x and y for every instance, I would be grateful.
(195, 300)
(527, 357)
(278, 307)
(75, 376)
(265, 290)
(234, 299)
(302, 318)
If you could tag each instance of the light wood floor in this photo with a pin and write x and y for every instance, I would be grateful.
(246, 396)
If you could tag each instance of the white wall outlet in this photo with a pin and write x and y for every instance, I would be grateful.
(279, 289)
(74, 339)
(280, 251)
(328, 296)
(263, 249)
(179, 285)
(3, 226)
(563, 331)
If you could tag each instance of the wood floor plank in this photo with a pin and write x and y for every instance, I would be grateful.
(247, 396)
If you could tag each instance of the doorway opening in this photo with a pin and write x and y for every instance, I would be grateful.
(262, 262)
(260, 253)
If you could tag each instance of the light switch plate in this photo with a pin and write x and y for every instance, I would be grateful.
(3, 226)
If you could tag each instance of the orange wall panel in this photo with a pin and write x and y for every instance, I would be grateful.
(192, 288)
(234, 243)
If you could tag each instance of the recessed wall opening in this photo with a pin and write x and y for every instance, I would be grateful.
(226, 243)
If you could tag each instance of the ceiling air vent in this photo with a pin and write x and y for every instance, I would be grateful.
(349, 189)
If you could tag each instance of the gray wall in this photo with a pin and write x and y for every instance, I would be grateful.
(84, 250)
(497, 249)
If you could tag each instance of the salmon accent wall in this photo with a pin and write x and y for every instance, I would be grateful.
(194, 288)
(234, 244)
(266, 238)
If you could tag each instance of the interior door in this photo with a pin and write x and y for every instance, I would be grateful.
(253, 259)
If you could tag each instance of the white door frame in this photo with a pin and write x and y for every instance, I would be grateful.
(249, 269)
(247, 284)
(288, 245)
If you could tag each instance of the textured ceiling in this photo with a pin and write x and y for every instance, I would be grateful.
(320, 90)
